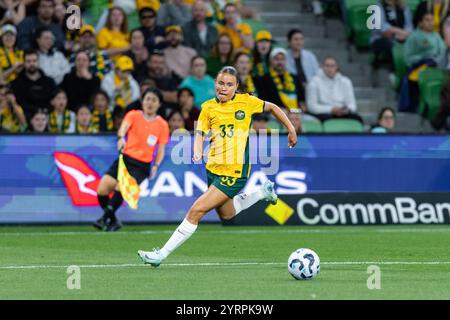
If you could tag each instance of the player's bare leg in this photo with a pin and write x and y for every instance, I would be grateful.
(107, 185)
(213, 198)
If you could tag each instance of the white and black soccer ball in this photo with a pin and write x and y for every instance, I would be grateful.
(304, 264)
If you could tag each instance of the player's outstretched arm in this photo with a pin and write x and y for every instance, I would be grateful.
(281, 117)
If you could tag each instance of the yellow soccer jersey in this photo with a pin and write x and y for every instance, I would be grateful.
(230, 124)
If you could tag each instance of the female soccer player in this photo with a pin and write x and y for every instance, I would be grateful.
(144, 130)
(228, 117)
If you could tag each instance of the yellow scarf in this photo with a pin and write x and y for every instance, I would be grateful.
(96, 120)
(53, 123)
(8, 59)
(9, 121)
(90, 129)
(286, 89)
(123, 97)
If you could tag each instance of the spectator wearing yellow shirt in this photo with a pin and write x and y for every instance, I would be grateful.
(240, 33)
(113, 38)
(11, 58)
(12, 117)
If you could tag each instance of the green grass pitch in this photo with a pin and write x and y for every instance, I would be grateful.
(225, 263)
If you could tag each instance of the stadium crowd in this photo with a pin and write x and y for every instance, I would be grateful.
(58, 80)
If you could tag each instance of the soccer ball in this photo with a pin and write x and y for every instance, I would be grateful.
(304, 264)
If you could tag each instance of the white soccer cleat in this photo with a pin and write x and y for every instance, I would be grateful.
(153, 258)
(269, 192)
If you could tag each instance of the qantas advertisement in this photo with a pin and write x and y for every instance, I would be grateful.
(53, 179)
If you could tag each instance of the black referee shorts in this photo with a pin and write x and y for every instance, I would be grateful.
(137, 169)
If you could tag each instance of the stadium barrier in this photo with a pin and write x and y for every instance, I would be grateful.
(53, 178)
(350, 209)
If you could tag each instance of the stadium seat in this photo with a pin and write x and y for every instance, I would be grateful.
(310, 126)
(430, 84)
(412, 4)
(342, 125)
(399, 63)
(360, 34)
(95, 9)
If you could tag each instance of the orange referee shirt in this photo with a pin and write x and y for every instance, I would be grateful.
(143, 135)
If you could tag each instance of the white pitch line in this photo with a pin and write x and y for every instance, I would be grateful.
(223, 264)
(228, 231)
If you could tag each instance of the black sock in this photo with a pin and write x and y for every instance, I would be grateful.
(103, 201)
(114, 204)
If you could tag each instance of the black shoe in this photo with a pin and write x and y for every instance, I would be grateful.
(100, 223)
(114, 226)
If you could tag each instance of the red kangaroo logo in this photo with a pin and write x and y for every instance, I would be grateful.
(79, 178)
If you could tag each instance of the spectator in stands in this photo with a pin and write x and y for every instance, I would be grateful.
(424, 43)
(221, 55)
(260, 123)
(198, 34)
(138, 53)
(27, 28)
(178, 56)
(100, 64)
(153, 33)
(396, 25)
(80, 84)
(61, 120)
(442, 119)
(102, 119)
(186, 106)
(120, 85)
(440, 10)
(11, 12)
(279, 86)
(423, 48)
(242, 63)
(176, 122)
(294, 116)
(51, 61)
(165, 81)
(84, 121)
(385, 121)
(12, 117)
(199, 82)
(118, 115)
(330, 94)
(300, 62)
(144, 85)
(240, 33)
(261, 53)
(174, 12)
(113, 38)
(39, 122)
(11, 58)
(33, 89)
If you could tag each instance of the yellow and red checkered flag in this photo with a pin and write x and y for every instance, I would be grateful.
(129, 188)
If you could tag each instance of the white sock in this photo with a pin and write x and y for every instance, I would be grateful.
(181, 234)
(245, 200)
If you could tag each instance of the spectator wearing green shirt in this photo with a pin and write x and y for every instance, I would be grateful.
(201, 84)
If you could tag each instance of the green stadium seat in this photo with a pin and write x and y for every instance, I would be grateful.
(310, 126)
(399, 63)
(412, 4)
(430, 85)
(95, 9)
(359, 34)
(342, 126)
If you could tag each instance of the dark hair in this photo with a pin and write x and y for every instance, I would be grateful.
(57, 91)
(195, 58)
(174, 112)
(215, 48)
(240, 54)
(135, 30)
(229, 4)
(157, 52)
(39, 110)
(101, 92)
(41, 30)
(79, 107)
(382, 111)
(292, 32)
(82, 51)
(230, 70)
(188, 90)
(155, 91)
(30, 52)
